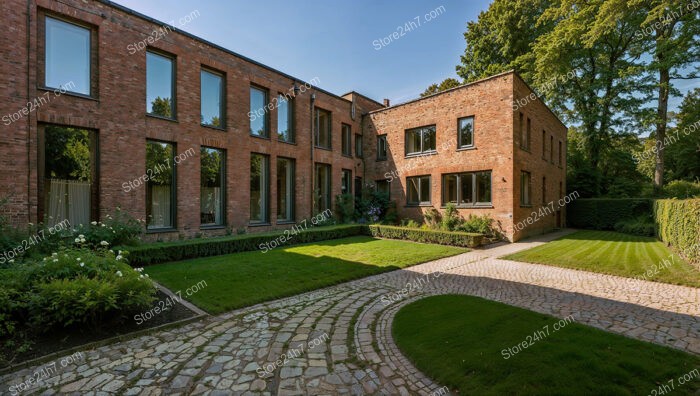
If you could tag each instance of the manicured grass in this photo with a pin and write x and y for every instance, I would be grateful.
(458, 341)
(243, 279)
(613, 253)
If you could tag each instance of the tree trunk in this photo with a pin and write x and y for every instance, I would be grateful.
(662, 118)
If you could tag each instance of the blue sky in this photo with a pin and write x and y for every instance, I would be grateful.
(335, 40)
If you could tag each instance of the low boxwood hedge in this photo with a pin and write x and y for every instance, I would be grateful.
(678, 224)
(162, 252)
(605, 213)
(463, 239)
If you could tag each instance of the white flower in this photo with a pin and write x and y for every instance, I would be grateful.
(31, 224)
(77, 240)
(54, 254)
(94, 223)
(119, 274)
(78, 259)
(82, 264)
(138, 269)
(81, 236)
(104, 243)
(147, 276)
(11, 261)
(119, 257)
(55, 260)
(103, 225)
(45, 258)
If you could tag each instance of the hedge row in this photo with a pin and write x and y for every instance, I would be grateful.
(161, 252)
(678, 224)
(605, 213)
(464, 239)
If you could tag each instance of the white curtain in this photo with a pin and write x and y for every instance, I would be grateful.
(68, 199)
(211, 202)
(160, 208)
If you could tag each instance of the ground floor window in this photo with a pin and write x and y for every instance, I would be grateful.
(323, 188)
(525, 185)
(346, 182)
(160, 188)
(285, 189)
(383, 187)
(68, 186)
(259, 192)
(418, 190)
(213, 185)
(467, 189)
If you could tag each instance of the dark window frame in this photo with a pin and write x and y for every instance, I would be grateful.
(524, 187)
(475, 192)
(382, 138)
(343, 180)
(223, 189)
(423, 151)
(266, 184)
(317, 128)
(388, 186)
(359, 151)
(346, 142)
(173, 83)
(329, 185)
(266, 118)
(291, 193)
(291, 118)
(222, 99)
(544, 145)
(459, 133)
(420, 189)
(173, 191)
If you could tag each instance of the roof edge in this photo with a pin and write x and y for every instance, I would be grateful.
(364, 96)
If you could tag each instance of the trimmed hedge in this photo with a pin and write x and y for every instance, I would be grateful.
(605, 213)
(452, 238)
(678, 224)
(161, 252)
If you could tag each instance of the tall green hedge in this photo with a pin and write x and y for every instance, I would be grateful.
(678, 224)
(161, 252)
(464, 239)
(604, 213)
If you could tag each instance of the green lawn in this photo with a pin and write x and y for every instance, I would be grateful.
(613, 253)
(459, 342)
(243, 279)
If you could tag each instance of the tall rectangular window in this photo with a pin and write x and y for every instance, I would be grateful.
(418, 190)
(551, 149)
(259, 115)
(544, 145)
(285, 119)
(323, 128)
(544, 191)
(383, 186)
(381, 148)
(560, 153)
(160, 190)
(347, 139)
(259, 188)
(467, 189)
(212, 99)
(466, 132)
(524, 138)
(323, 187)
(358, 146)
(525, 185)
(67, 56)
(160, 85)
(285, 189)
(346, 182)
(420, 140)
(212, 186)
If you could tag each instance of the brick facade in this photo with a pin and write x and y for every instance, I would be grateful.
(116, 111)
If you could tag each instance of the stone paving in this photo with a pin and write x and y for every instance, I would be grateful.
(337, 341)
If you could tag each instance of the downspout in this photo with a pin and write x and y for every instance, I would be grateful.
(29, 122)
(311, 143)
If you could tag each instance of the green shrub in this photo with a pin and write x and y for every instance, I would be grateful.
(462, 239)
(120, 229)
(451, 219)
(345, 208)
(409, 223)
(682, 189)
(181, 250)
(642, 225)
(432, 218)
(678, 224)
(478, 224)
(605, 213)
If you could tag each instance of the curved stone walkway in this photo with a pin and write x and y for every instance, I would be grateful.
(337, 341)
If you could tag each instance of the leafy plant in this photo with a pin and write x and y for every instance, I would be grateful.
(451, 219)
(682, 189)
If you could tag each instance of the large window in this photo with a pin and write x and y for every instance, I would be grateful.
(525, 189)
(467, 189)
(160, 190)
(212, 100)
(420, 140)
(69, 176)
(259, 125)
(347, 140)
(67, 56)
(259, 192)
(466, 132)
(524, 133)
(418, 190)
(213, 185)
(323, 128)
(346, 182)
(381, 147)
(285, 189)
(160, 85)
(358, 146)
(323, 188)
(285, 119)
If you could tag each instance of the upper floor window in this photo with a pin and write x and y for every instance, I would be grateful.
(323, 128)
(418, 190)
(259, 100)
(160, 85)
(551, 149)
(347, 140)
(466, 132)
(212, 100)
(420, 140)
(285, 119)
(67, 56)
(346, 182)
(381, 147)
(358, 146)
(544, 145)
(524, 132)
(560, 153)
(525, 185)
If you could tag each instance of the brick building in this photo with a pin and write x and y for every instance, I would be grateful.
(104, 107)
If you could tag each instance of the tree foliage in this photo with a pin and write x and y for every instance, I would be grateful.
(446, 84)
